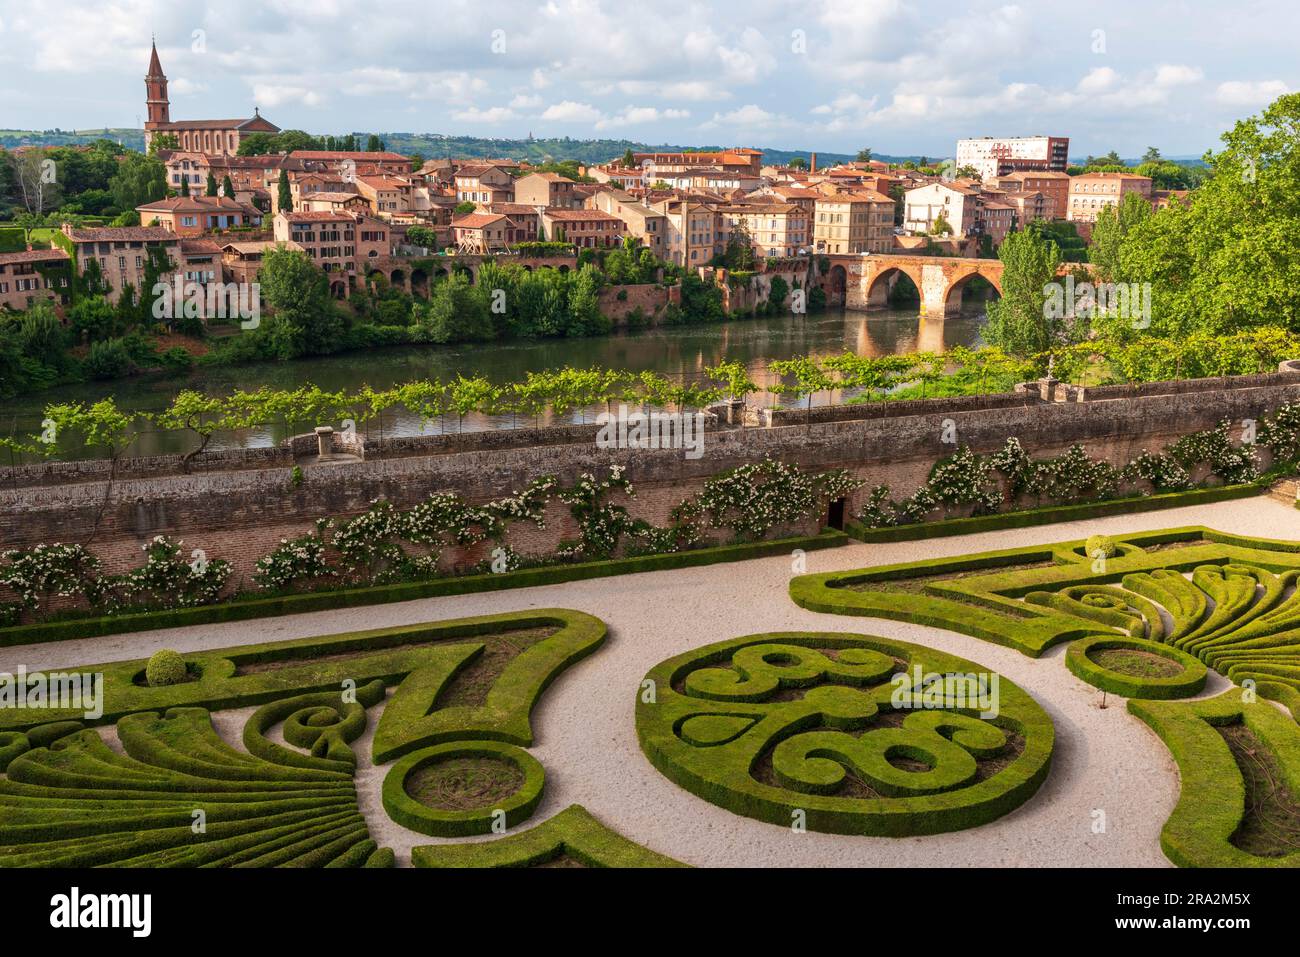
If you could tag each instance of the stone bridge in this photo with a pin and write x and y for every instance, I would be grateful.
(864, 281)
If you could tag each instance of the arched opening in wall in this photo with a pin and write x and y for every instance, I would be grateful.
(837, 284)
(439, 275)
(460, 269)
(398, 278)
(564, 269)
(420, 283)
(835, 514)
(893, 289)
(970, 295)
(338, 289)
(376, 280)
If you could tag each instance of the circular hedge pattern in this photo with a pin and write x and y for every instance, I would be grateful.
(1081, 659)
(406, 810)
(848, 734)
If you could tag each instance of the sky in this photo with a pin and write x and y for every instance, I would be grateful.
(902, 77)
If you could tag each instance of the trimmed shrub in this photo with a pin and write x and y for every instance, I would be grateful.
(165, 667)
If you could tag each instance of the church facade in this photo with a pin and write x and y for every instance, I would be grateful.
(214, 137)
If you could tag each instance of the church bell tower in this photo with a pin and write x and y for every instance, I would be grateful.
(155, 86)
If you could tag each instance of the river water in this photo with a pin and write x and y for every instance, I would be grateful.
(681, 351)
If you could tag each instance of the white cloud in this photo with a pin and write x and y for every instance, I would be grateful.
(1173, 74)
(751, 116)
(493, 114)
(182, 86)
(1099, 80)
(568, 111)
(1249, 93)
(270, 95)
(639, 116)
(525, 101)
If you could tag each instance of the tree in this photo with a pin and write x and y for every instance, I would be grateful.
(798, 162)
(457, 311)
(284, 197)
(584, 304)
(374, 144)
(1152, 155)
(864, 155)
(1019, 323)
(1113, 224)
(422, 236)
(809, 375)
(740, 247)
(629, 160)
(941, 226)
(304, 319)
(227, 187)
(139, 179)
(163, 141)
(36, 177)
(1225, 259)
(212, 184)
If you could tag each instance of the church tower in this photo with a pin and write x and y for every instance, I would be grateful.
(155, 86)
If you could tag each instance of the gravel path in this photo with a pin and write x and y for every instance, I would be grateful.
(1105, 759)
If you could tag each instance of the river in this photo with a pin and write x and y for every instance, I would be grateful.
(679, 351)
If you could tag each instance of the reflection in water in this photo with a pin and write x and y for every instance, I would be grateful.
(674, 351)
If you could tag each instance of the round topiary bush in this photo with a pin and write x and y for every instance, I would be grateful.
(166, 667)
(1100, 546)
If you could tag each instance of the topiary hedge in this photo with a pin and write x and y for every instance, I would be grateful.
(1235, 613)
(809, 729)
(506, 811)
(1189, 680)
(573, 836)
(1221, 816)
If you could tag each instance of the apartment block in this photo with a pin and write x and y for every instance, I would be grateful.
(1090, 193)
(33, 276)
(995, 156)
(121, 253)
(856, 222)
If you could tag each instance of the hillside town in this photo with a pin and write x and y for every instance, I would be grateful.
(357, 213)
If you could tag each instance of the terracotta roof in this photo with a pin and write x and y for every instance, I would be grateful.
(384, 182)
(195, 204)
(584, 215)
(477, 220)
(357, 157)
(32, 256)
(475, 170)
(319, 216)
(120, 234)
(259, 246)
(199, 247)
(329, 196)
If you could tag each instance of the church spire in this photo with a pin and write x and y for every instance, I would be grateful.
(155, 67)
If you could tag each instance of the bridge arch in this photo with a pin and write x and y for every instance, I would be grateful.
(881, 283)
(957, 286)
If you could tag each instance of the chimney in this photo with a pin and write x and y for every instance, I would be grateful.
(813, 164)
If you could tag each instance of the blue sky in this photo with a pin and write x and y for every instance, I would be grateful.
(900, 77)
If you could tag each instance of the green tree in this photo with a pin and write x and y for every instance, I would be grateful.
(227, 187)
(284, 197)
(457, 311)
(212, 184)
(374, 144)
(1019, 323)
(629, 160)
(1108, 233)
(864, 155)
(304, 319)
(1226, 259)
(139, 179)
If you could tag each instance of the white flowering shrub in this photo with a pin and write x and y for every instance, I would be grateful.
(167, 579)
(39, 574)
(296, 563)
(753, 499)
